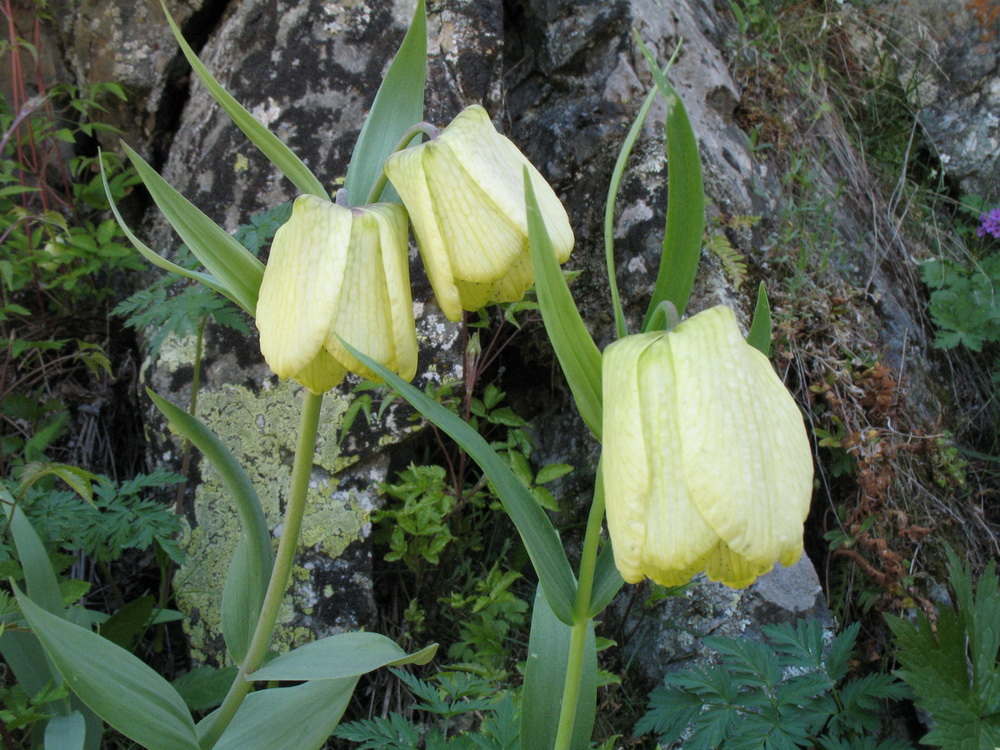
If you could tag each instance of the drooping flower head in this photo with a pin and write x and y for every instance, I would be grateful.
(464, 190)
(707, 466)
(335, 271)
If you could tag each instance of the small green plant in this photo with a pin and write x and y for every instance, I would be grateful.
(964, 302)
(118, 517)
(487, 613)
(952, 664)
(789, 692)
(467, 711)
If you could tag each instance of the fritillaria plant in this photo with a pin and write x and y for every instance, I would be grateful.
(706, 465)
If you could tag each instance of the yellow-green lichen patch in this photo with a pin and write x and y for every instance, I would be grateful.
(260, 429)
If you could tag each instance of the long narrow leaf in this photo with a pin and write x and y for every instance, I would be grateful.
(269, 144)
(537, 532)
(578, 355)
(544, 678)
(122, 690)
(155, 258)
(685, 228)
(232, 265)
(295, 718)
(759, 336)
(22, 651)
(609, 205)
(398, 106)
(250, 569)
(607, 581)
(338, 656)
(39, 576)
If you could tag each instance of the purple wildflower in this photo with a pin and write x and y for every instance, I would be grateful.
(990, 224)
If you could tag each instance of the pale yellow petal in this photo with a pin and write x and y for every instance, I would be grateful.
(298, 294)
(746, 454)
(496, 165)
(322, 374)
(482, 240)
(625, 461)
(393, 239)
(677, 536)
(727, 567)
(362, 317)
(516, 282)
(473, 295)
(405, 170)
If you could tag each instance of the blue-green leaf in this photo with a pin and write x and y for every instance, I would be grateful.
(270, 145)
(39, 576)
(250, 569)
(295, 718)
(607, 581)
(537, 532)
(545, 677)
(337, 656)
(155, 258)
(67, 732)
(232, 266)
(122, 690)
(759, 336)
(398, 106)
(578, 355)
(609, 205)
(685, 202)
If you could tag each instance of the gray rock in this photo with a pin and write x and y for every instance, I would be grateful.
(668, 635)
(950, 54)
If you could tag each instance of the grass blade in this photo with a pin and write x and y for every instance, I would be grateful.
(269, 144)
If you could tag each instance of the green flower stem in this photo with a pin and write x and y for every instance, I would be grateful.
(421, 128)
(581, 610)
(280, 575)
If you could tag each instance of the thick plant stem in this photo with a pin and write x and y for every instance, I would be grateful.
(281, 573)
(581, 619)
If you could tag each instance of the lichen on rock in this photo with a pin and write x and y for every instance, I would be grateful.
(260, 430)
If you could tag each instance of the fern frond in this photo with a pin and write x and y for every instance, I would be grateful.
(733, 263)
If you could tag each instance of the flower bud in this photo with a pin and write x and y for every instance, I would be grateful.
(464, 190)
(337, 271)
(707, 466)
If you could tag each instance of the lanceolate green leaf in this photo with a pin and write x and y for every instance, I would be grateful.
(21, 651)
(609, 206)
(231, 264)
(122, 690)
(39, 575)
(250, 569)
(544, 675)
(607, 581)
(537, 532)
(67, 732)
(578, 355)
(398, 106)
(759, 336)
(685, 202)
(156, 259)
(295, 718)
(344, 655)
(270, 145)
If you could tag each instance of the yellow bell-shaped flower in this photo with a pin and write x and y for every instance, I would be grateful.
(464, 190)
(707, 466)
(335, 271)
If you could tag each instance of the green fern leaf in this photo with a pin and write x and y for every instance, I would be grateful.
(733, 263)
